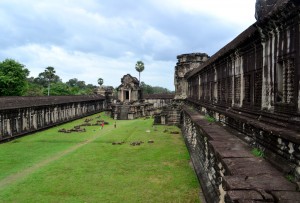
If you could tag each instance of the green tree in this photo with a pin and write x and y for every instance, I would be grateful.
(12, 78)
(72, 82)
(78, 87)
(90, 89)
(60, 88)
(148, 89)
(42, 80)
(49, 75)
(100, 81)
(34, 90)
(139, 67)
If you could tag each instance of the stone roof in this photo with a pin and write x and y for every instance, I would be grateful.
(22, 102)
(129, 81)
(159, 96)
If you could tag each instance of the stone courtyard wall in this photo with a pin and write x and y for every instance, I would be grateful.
(23, 115)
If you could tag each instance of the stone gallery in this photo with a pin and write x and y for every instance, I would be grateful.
(251, 86)
(239, 110)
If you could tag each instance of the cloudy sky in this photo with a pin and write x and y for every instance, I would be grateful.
(89, 39)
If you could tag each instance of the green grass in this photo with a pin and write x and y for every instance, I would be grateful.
(290, 178)
(210, 118)
(86, 167)
(257, 152)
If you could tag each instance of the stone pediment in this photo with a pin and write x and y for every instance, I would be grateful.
(129, 82)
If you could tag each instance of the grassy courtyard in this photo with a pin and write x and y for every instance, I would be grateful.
(52, 166)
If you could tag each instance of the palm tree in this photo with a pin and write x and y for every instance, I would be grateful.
(139, 67)
(100, 81)
(49, 75)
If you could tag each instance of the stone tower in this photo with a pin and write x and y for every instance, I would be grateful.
(186, 63)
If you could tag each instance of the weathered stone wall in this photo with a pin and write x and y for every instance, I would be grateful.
(281, 146)
(130, 112)
(166, 110)
(168, 115)
(159, 100)
(226, 169)
(158, 103)
(22, 115)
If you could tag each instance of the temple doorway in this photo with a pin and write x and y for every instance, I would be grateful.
(126, 95)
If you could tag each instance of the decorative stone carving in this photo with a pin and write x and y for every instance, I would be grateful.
(185, 64)
(264, 7)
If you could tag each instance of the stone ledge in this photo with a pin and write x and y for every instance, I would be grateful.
(247, 178)
(243, 166)
(279, 131)
(248, 196)
(266, 182)
(286, 196)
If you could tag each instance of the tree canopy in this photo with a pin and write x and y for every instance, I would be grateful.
(100, 81)
(13, 76)
(148, 89)
(139, 67)
(15, 81)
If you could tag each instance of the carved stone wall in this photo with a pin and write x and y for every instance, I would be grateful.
(226, 169)
(158, 100)
(130, 112)
(22, 115)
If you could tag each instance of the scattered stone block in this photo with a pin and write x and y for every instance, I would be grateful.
(136, 143)
(62, 130)
(118, 143)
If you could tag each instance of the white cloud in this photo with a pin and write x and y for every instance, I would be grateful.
(89, 67)
(240, 12)
(91, 39)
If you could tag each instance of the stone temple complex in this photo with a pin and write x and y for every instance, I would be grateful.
(246, 96)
